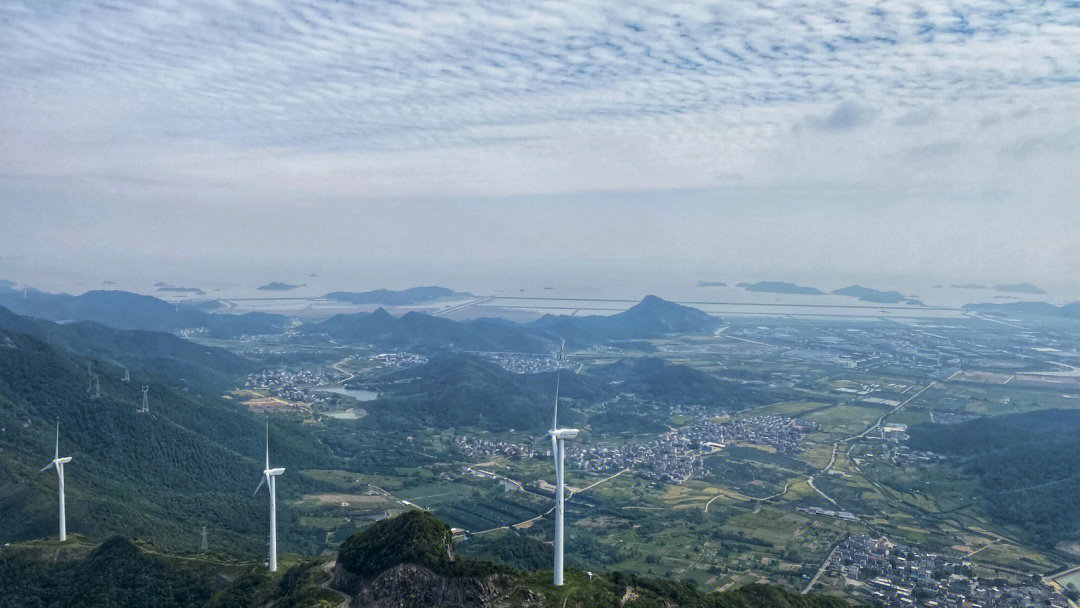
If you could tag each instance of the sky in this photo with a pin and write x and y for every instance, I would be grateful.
(464, 142)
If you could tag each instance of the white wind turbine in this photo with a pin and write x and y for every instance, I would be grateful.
(59, 463)
(558, 450)
(268, 480)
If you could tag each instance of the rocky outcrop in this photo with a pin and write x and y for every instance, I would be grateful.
(413, 586)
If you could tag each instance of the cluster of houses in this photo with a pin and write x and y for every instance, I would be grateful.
(524, 364)
(676, 455)
(782, 433)
(292, 385)
(899, 576)
(399, 359)
(474, 447)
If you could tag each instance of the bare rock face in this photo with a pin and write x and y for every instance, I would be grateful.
(413, 586)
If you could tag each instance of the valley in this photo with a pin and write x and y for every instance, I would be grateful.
(724, 452)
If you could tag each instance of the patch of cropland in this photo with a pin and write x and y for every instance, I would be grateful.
(1026, 466)
(191, 462)
(126, 310)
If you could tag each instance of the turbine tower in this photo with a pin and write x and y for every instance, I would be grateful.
(558, 451)
(271, 487)
(59, 463)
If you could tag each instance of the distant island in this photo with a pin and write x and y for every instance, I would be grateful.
(1019, 288)
(780, 287)
(278, 286)
(1027, 309)
(404, 297)
(711, 284)
(876, 296)
(194, 290)
(968, 286)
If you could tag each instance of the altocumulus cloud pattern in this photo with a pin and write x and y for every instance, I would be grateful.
(410, 75)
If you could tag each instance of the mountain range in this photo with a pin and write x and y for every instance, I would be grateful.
(650, 318)
(126, 310)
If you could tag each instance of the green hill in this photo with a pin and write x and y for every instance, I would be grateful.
(651, 318)
(1025, 467)
(156, 353)
(193, 461)
(126, 310)
(404, 561)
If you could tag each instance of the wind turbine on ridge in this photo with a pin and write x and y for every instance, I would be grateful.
(271, 487)
(59, 463)
(558, 451)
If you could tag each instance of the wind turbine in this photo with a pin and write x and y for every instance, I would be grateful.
(558, 450)
(59, 463)
(271, 487)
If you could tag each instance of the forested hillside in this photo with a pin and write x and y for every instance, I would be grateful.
(192, 461)
(156, 353)
(1026, 465)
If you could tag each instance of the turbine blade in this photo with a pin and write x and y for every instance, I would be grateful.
(47, 467)
(558, 370)
(268, 443)
(262, 482)
(56, 453)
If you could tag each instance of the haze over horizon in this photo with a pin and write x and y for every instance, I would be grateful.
(894, 144)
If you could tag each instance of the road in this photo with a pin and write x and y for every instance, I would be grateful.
(569, 495)
(820, 571)
(344, 371)
(882, 417)
(328, 568)
(460, 307)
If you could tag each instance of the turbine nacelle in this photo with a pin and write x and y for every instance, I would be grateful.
(64, 460)
(274, 472)
(563, 433)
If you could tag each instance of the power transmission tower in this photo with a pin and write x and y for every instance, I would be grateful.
(202, 547)
(145, 401)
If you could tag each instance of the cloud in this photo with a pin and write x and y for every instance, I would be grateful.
(935, 149)
(916, 117)
(847, 115)
(175, 111)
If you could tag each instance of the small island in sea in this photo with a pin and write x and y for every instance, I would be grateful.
(781, 287)
(278, 286)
